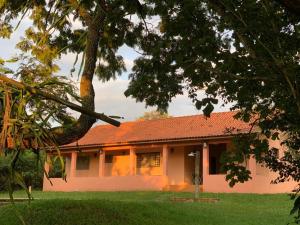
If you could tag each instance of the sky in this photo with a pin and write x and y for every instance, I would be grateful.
(109, 96)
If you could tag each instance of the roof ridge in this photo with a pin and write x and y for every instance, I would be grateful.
(168, 118)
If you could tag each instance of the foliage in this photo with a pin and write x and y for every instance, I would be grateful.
(34, 97)
(57, 169)
(29, 166)
(245, 52)
(154, 115)
(122, 208)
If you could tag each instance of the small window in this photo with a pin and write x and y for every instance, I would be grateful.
(215, 154)
(108, 158)
(148, 160)
(83, 163)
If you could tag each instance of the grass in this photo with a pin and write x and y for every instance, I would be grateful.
(142, 208)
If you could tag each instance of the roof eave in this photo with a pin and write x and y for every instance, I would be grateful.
(158, 141)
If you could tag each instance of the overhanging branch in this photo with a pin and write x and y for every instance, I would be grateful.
(54, 98)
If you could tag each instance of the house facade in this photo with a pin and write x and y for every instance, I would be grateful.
(155, 155)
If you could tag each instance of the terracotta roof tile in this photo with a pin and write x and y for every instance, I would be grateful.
(196, 126)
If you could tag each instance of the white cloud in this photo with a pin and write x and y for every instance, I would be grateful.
(128, 64)
(110, 99)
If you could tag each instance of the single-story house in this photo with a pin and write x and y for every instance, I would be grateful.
(154, 155)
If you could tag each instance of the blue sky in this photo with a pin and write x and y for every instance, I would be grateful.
(110, 97)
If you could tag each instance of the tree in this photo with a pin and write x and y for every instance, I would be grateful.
(152, 115)
(34, 96)
(106, 26)
(247, 53)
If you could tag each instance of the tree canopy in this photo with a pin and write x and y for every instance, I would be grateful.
(245, 52)
(105, 26)
(34, 94)
(152, 115)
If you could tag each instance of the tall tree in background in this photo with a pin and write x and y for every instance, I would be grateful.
(105, 26)
(153, 115)
(34, 95)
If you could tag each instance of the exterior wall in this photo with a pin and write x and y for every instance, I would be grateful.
(113, 183)
(176, 166)
(260, 182)
(93, 169)
(119, 166)
(154, 171)
(123, 175)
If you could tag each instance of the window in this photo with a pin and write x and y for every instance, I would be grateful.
(108, 158)
(148, 159)
(83, 163)
(215, 154)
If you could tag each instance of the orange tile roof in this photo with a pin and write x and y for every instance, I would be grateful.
(174, 128)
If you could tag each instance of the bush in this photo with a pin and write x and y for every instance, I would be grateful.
(27, 168)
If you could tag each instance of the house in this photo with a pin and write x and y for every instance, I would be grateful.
(154, 155)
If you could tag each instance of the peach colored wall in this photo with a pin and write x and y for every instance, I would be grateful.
(119, 166)
(93, 168)
(176, 175)
(176, 166)
(147, 171)
(260, 182)
(189, 167)
(118, 183)
(261, 170)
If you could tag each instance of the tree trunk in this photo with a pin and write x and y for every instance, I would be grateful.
(65, 135)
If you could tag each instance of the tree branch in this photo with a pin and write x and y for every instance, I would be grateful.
(54, 98)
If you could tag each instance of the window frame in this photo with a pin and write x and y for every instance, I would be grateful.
(153, 160)
(83, 166)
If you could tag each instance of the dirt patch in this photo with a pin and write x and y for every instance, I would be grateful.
(5, 201)
(209, 200)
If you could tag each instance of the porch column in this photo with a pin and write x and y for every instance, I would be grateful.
(132, 159)
(205, 160)
(73, 164)
(165, 156)
(102, 164)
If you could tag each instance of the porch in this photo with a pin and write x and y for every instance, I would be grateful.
(149, 167)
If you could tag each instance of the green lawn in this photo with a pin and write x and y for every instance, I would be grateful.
(142, 208)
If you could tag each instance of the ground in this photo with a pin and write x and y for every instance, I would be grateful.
(154, 208)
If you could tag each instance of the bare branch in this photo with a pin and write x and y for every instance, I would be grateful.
(52, 97)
